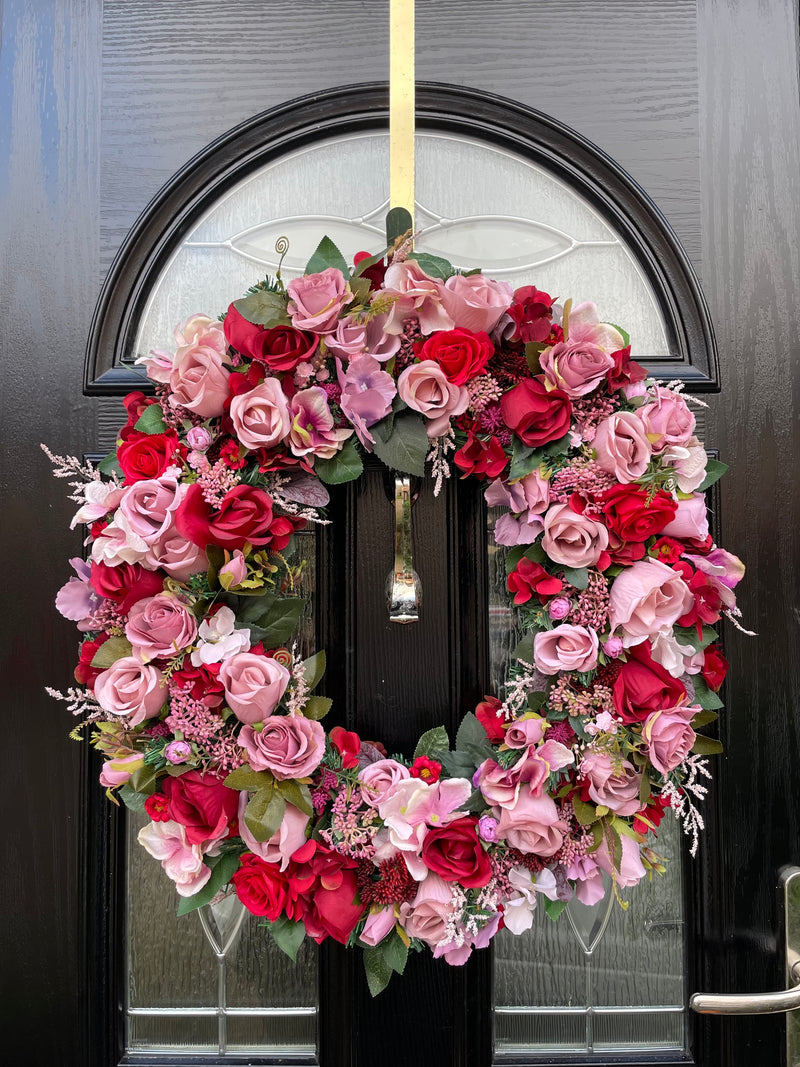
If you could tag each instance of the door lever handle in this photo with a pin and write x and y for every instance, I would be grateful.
(750, 1003)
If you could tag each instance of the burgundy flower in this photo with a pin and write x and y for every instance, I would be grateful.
(202, 803)
(532, 311)
(456, 855)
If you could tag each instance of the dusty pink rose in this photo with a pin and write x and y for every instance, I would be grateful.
(647, 597)
(379, 778)
(166, 841)
(118, 771)
(129, 687)
(377, 926)
(290, 746)
(261, 417)
(425, 388)
(691, 520)
(622, 448)
(199, 376)
(354, 337)
(668, 420)
(316, 300)
(522, 733)
(290, 836)
(418, 294)
(177, 556)
(575, 367)
(614, 783)
(585, 326)
(669, 737)
(631, 869)
(532, 825)
(475, 302)
(312, 429)
(253, 685)
(565, 648)
(571, 539)
(160, 626)
(146, 510)
(430, 910)
(233, 572)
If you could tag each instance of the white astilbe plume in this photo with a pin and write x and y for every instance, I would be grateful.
(437, 456)
(677, 386)
(733, 615)
(517, 689)
(680, 799)
(79, 702)
(300, 693)
(80, 473)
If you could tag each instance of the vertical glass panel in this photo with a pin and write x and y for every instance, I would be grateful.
(600, 980)
(496, 210)
(222, 989)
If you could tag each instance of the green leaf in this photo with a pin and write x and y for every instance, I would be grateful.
(524, 649)
(264, 308)
(586, 814)
(532, 352)
(271, 619)
(379, 973)
(405, 450)
(288, 935)
(317, 708)
(687, 635)
(524, 460)
(536, 700)
(360, 287)
(345, 466)
(315, 668)
(151, 420)
(296, 794)
(110, 465)
(327, 255)
(553, 908)
(221, 873)
(264, 813)
(246, 778)
(626, 337)
(705, 697)
(703, 718)
(470, 732)
(130, 798)
(706, 746)
(395, 952)
(460, 764)
(398, 223)
(435, 266)
(714, 471)
(110, 651)
(370, 261)
(578, 576)
(434, 743)
(143, 780)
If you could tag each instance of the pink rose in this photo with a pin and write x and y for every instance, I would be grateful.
(614, 783)
(691, 521)
(647, 597)
(290, 836)
(571, 539)
(668, 419)
(622, 446)
(430, 910)
(576, 367)
(425, 388)
(261, 416)
(354, 337)
(290, 746)
(160, 626)
(532, 825)
(118, 771)
(419, 295)
(631, 869)
(316, 300)
(129, 687)
(522, 733)
(177, 556)
(379, 778)
(565, 648)
(669, 736)
(146, 510)
(499, 785)
(377, 926)
(183, 862)
(253, 685)
(475, 302)
(199, 377)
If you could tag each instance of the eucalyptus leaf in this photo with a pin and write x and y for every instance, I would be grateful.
(405, 450)
(264, 308)
(151, 420)
(223, 869)
(264, 813)
(345, 466)
(327, 255)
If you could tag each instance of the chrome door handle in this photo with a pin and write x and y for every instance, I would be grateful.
(767, 1003)
(750, 1003)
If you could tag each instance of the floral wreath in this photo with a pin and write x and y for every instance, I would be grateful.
(205, 713)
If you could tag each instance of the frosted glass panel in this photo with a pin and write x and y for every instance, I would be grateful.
(600, 980)
(477, 205)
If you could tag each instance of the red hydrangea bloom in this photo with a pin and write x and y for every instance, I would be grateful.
(625, 370)
(707, 605)
(715, 667)
(427, 769)
(529, 578)
(201, 682)
(324, 884)
(348, 744)
(631, 516)
(482, 459)
(649, 817)
(532, 311)
(535, 414)
(486, 714)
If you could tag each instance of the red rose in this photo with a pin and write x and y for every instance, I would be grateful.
(326, 882)
(644, 686)
(126, 583)
(244, 516)
(715, 667)
(427, 769)
(281, 348)
(146, 455)
(623, 552)
(460, 353)
(630, 516)
(261, 887)
(85, 673)
(486, 714)
(535, 415)
(202, 803)
(625, 370)
(532, 311)
(484, 459)
(456, 855)
(348, 744)
(529, 578)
